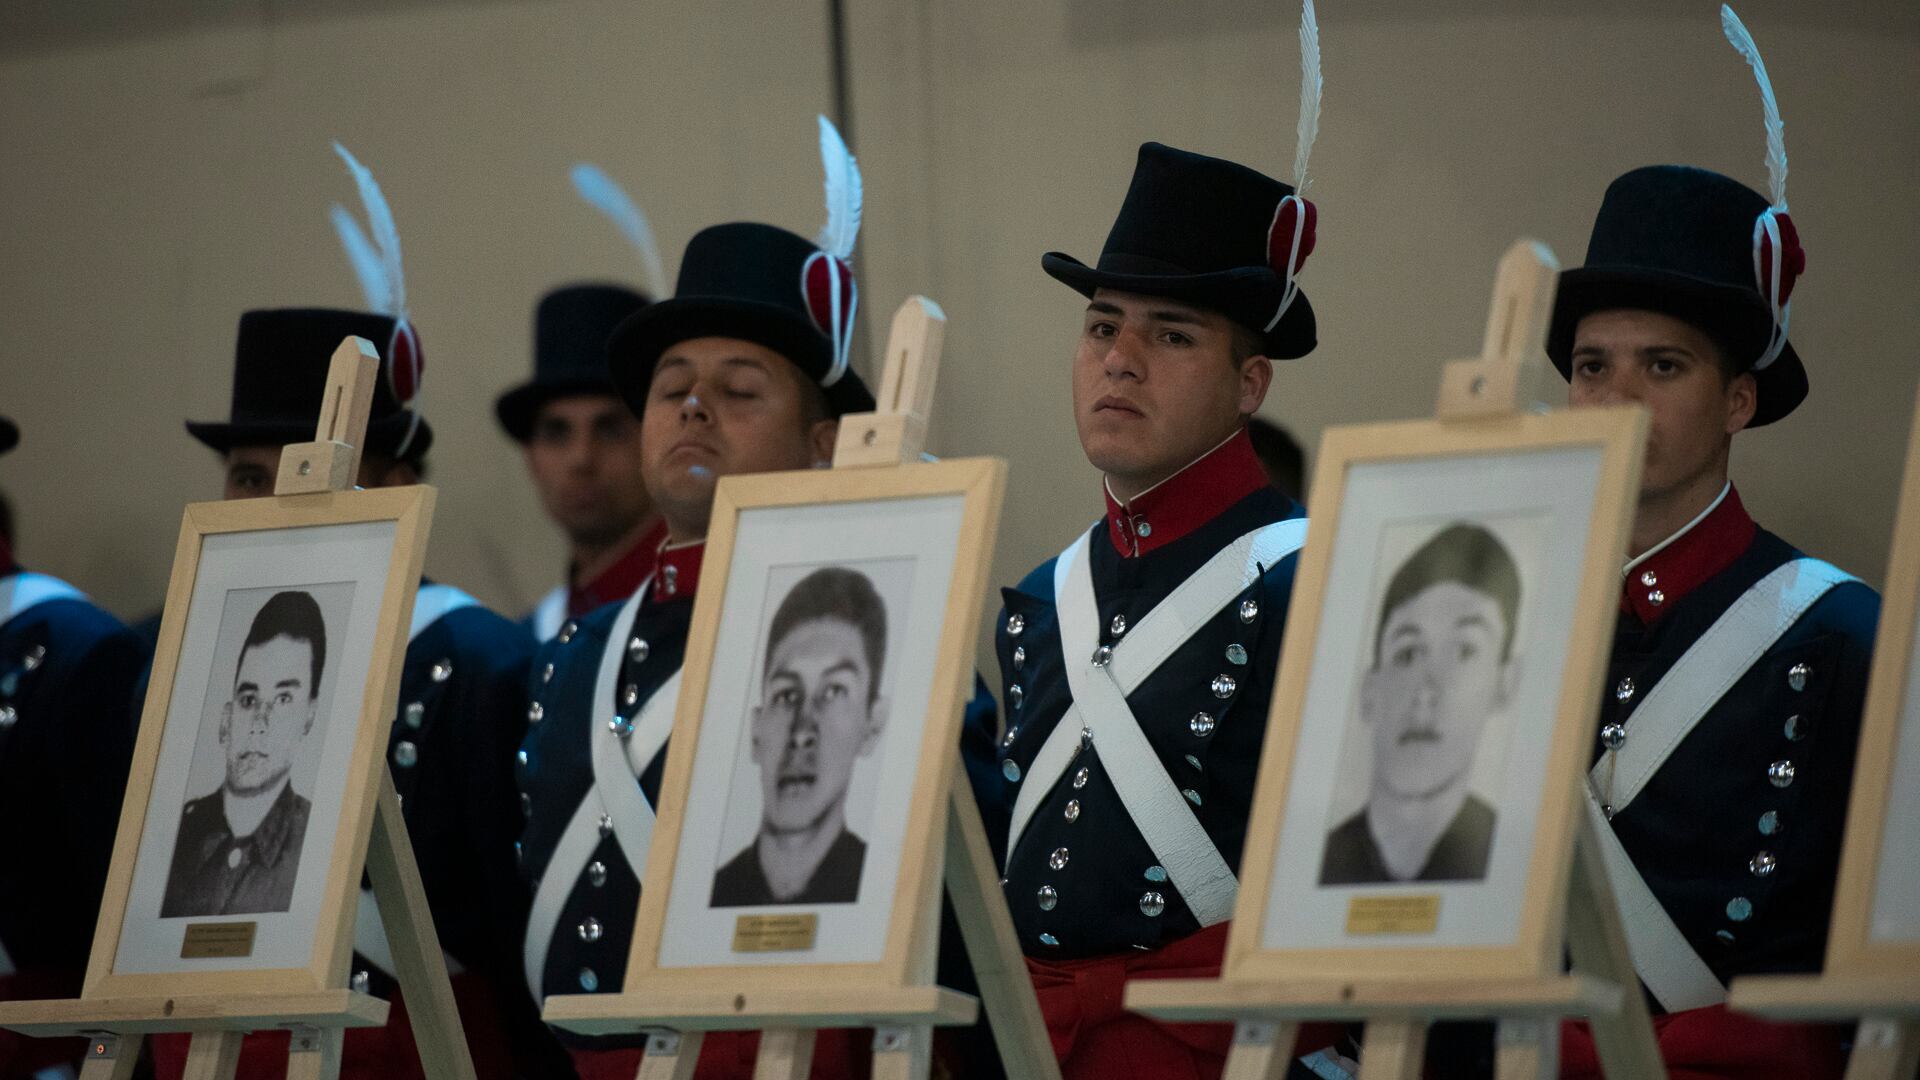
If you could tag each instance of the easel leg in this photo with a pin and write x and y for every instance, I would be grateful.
(110, 1057)
(785, 1054)
(1392, 1049)
(416, 948)
(1006, 991)
(1885, 1048)
(314, 1053)
(1527, 1050)
(902, 1053)
(1624, 1040)
(212, 1055)
(671, 1055)
(1260, 1051)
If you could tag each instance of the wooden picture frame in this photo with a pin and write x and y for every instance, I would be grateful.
(366, 678)
(1388, 943)
(973, 489)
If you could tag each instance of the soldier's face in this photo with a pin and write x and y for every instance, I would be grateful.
(271, 711)
(251, 471)
(1630, 356)
(1437, 678)
(814, 720)
(1155, 386)
(720, 407)
(584, 455)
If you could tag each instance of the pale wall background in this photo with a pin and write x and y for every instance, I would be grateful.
(165, 165)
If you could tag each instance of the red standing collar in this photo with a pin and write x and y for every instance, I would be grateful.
(678, 573)
(1186, 500)
(617, 582)
(1689, 560)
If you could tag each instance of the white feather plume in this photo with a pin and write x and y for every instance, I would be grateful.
(386, 240)
(843, 194)
(366, 261)
(605, 195)
(1310, 84)
(1743, 43)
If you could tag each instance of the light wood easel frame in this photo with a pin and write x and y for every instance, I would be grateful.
(898, 997)
(116, 1011)
(1876, 982)
(1482, 408)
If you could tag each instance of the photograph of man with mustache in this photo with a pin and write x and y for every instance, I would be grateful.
(239, 845)
(1443, 663)
(821, 710)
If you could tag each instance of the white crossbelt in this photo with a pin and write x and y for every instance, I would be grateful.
(615, 795)
(550, 614)
(1675, 974)
(430, 604)
(1151, 798)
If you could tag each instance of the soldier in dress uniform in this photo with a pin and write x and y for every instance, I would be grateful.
(583, 453)
(67, 671)
(460, 713)
(1131, 744)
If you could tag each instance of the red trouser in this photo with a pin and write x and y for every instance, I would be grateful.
(838, 1054)
(1095, 1038)
(375, 1053)
(1714, 1044)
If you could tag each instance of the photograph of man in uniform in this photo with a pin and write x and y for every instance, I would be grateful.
(239, 845)
(1442, 664)
(821, 710)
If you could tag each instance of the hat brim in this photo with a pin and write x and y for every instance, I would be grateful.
(1735, 317)
(1247, 295)
(384, 434)
(517, 408)
(638, 343)
(9, 435)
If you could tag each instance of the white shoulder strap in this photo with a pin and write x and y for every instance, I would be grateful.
(18, 592)
(434, 601)
(1152, 800)
(550, 614)
(1662, 957)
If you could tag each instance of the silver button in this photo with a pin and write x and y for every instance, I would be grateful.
(1249, 610)
(588, 980)
(606, 826)
(1080, 778)
(1797, 677)
(637, 650)
(1780, 773)
(1047, 898)
(1192, 795)
(1152, 904)
(442, 670)
(670, 579)
(1724, 937)
(596, 873)
(1118, 625)
(1058, 860)
(621, 725)
(546, 674)
(1236, 654)
(1156, 873)
(34, 657)
(1201, 724)
(1072, 811)
(359, 983)
(1739, 909)
(1006, 741)
(590, 929)
(1613, 736)
(1017, 695)
(414, 714)
(1649, 579)
(1086, 737)
(520, 756)
(630, 695)
(1103, 656)
(9, 716)
(1010, 769)
(526, 805)
(566, 632)
(1769, 823)
(519, 853)
(1223, 686)
(405, 754)
(1145, 529)
(1195, 762)
(1623, 691)
(536, 712)
(1019, 657)
(1049, 939)
(1763, 864)
(1656, 597)
(1016, 625)
(1794, 730)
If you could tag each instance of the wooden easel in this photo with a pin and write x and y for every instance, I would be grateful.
(1397, 1012)
(318, 1021)
(903, 1021)
(1872, 981)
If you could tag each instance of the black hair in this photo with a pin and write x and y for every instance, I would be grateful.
(836, 592)
(293, 615)
(1280, 453)
(1466, 555)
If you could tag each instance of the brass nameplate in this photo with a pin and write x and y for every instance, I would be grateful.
(1393, 914)
(774, 933)
(217, 939)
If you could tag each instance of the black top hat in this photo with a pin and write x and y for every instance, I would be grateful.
(9, 435)
(743, 280)
(1203, 230)
(1681, 241)
(280, 370)
(570, 331)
